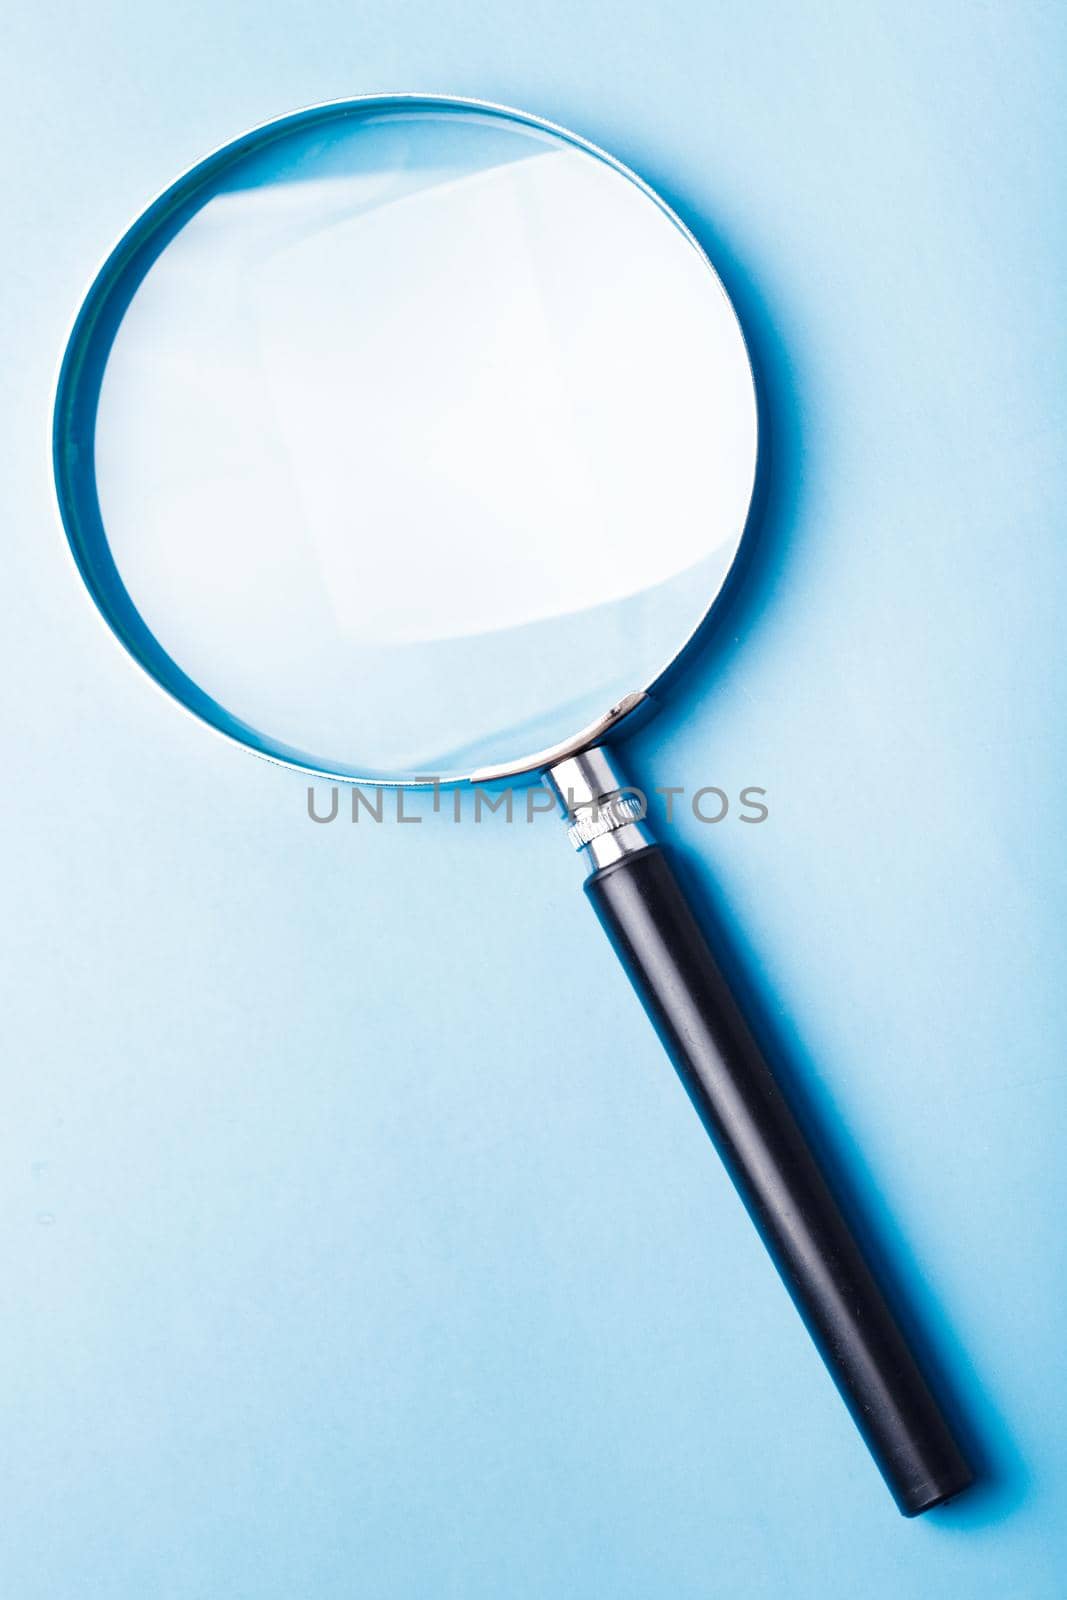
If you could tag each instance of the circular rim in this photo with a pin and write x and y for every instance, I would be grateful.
(104, 299)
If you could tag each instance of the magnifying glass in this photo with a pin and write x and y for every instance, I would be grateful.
(409, 439)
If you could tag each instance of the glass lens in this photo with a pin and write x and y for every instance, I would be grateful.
(415, 437)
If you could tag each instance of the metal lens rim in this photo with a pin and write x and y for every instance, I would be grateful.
(74, 416)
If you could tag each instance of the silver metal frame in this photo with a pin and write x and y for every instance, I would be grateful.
(528, 767)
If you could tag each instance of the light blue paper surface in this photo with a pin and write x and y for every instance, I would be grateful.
(357, 1239)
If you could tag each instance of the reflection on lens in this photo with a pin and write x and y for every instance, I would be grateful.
(425, 437)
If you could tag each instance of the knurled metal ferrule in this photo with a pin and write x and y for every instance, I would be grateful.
(604, 817)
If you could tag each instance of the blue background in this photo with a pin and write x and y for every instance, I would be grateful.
(356, 1238)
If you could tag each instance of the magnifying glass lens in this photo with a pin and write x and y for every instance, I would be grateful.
(422, 437)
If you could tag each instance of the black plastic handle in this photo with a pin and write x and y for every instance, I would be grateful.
(670, 964)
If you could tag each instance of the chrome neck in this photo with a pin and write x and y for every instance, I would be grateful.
(606, 816)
